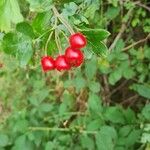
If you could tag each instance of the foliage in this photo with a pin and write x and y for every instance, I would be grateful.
(103, 105)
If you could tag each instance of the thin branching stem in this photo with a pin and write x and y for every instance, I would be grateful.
(62, 130)
(46, 45)
(64, 22)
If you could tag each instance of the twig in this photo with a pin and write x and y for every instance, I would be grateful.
(136, 43)
(66, 114)
(129, 99)
(42, 35)
(107, 90)
(68, 26)
(144, 6)
(122, 30)
(119, 87)
(140, 4)
(61, 130)
(79, 101)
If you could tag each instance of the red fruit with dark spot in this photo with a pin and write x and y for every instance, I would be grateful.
(74, 57)
(48, 63)
(61, 63)
(77, 40)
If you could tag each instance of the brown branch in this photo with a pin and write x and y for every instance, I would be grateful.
(117, 88)
(130, 99)
(62, 19)
(121, 31)
(136, 43)
(124, 26)
(106, 90)
(144, 6)
(138, 3)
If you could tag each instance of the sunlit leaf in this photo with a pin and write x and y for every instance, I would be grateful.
(9, 13)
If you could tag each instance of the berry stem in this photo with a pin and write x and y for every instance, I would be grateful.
(66, 24)
(38, 38)
(64, 36)
(46, 45)
(58, 43)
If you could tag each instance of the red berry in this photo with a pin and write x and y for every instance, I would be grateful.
(61, 63)
(74, 57)
(77, 40)
(48, 63)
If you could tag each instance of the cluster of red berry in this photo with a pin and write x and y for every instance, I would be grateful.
(73, 55)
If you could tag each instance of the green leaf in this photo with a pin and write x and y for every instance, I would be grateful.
(91, 68)
(115, 76)
(103, 65)
(129, 115)
(41, 22)
(22, 143)
(3, 140)
(133, 137)
(128, 73)
(122, 56)
(40, 5)
(87, 142)
(1, 38)
(120, 148)
(95, 37)
(114, 2)
(98, 48)
(9, 13)
(9, 43)
(39, 95)
(94, 87)
(145, 138)
(2, 3)
(128, 136)
(64, 139)
(147, 52)
(18, 45)
(50, 145)
(52, 47)
(112, 12)
(115, 115)
(69, 9)
(106, 138)
(98, 34)
(146, 111)
(20, 125)
(68, 83)
(79, 83)
(124, 131)
(25, 28)
(94, 124)
(90, 11)
(67, 103)
(143, 90)
(119, 45)
(94, 103)
(45, 107)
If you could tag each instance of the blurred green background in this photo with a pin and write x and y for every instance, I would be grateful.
(103, 105)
